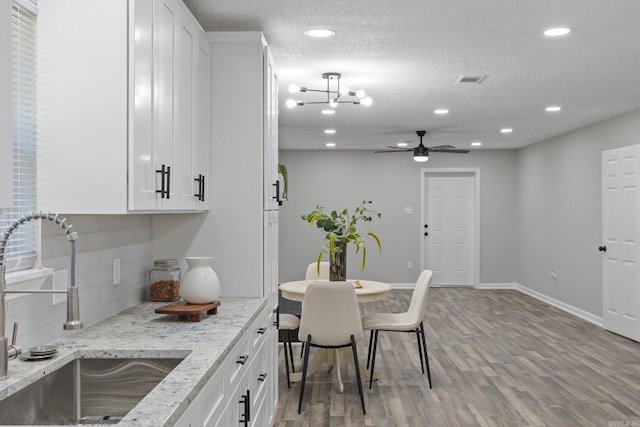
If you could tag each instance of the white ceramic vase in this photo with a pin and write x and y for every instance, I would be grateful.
(200, 284)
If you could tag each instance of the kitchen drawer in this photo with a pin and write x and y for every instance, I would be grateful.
(239, 359)
(261, 376)
(213, 397)
(259, 330)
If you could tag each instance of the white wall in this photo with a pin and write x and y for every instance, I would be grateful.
(338, 179)
(101, 239)
(560, 211)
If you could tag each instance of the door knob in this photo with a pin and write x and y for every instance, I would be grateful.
(602, 248)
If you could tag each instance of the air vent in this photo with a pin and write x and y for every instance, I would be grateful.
(471, 79)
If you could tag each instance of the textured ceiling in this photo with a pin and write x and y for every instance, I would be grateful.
(409, 54)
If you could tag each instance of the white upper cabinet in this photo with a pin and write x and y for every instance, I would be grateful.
(123, 89)
(272, 185)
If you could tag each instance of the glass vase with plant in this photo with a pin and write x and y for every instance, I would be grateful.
(341, 229)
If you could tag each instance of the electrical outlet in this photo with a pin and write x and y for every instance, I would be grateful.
(116, 271)
(409, 265)
(60, 282)
(408, 210)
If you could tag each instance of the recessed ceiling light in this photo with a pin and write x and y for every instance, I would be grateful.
(476, 143)
(402, 144)
(441, 111)
(330, 144)
(506, 130)
(553, 108)
(320, 32)
(330, 131)
(558, 31)
(328, 112)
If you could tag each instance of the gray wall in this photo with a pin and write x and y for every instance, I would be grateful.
(338, 179)
(560, 211)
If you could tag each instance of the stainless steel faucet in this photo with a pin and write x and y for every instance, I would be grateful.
(73, 308)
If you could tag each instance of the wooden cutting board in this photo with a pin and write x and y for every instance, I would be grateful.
(192, 312)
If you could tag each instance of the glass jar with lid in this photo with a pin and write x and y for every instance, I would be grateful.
(164, 281)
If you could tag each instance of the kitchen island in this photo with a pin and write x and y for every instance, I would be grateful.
(140, 332)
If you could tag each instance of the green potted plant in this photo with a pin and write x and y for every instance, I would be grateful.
(341, 229)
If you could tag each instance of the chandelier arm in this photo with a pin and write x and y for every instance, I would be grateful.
(322, 91)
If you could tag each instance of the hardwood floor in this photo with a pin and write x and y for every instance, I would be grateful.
(498, 358)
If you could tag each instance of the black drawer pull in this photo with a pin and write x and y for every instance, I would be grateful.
(242, 359)
(262, 331)
(262, 377)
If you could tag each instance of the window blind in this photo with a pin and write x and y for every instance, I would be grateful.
(21, 248)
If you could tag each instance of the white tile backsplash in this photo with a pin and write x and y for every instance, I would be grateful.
(101, 239)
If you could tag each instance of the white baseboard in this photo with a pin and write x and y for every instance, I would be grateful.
(562, 306)
(596, 320)
(497, 286)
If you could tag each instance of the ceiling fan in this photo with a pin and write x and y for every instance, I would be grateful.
(421, 153)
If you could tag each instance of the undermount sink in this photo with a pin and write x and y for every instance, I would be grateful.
(86, 391)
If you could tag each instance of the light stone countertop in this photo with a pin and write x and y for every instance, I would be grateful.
(140, 332)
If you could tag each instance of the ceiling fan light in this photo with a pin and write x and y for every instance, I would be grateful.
(344, 90)
(291, 103)
(366, 101)
(333, 103)
(420, 158)
(556, 32)
(360, 93)
(294, 88)
(319, 32)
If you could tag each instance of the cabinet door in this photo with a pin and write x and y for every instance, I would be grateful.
(142, 175)
(201, 179)
(184, 111)
(270, 285)
(166, 38)
(270, 138)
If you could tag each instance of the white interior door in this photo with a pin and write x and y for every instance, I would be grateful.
(620, 216)
(448, 211)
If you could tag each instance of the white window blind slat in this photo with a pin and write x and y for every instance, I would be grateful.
(21, 248)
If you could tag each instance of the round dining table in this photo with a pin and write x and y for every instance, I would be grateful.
(366, 291)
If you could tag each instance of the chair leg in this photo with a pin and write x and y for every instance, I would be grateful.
(357, 365)
(369, 350)
(286, 363)
(420, 349)
(426, 357)
(293, 366)
(373, 358)
(304, 370)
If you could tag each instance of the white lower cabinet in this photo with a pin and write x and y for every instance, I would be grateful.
(241, 391)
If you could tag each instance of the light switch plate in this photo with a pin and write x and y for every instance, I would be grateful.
(60, 282)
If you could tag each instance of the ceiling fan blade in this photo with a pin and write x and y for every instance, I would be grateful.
(393, 151)
(398, 148)
(449, 151)
(441, 147)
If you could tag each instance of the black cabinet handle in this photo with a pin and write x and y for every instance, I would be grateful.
(165, 176)
(242, 359)
(200, 193)
(262, 331)
(246, 416)
(262, 377)
(426, 234)
(277, 196)
(168, 182)
(602, 248)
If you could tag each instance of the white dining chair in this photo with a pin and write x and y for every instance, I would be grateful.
(287, 322)
(330, 319)
(312, 271)
(409, 321)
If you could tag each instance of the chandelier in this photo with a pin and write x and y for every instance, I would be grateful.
(336, 94)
